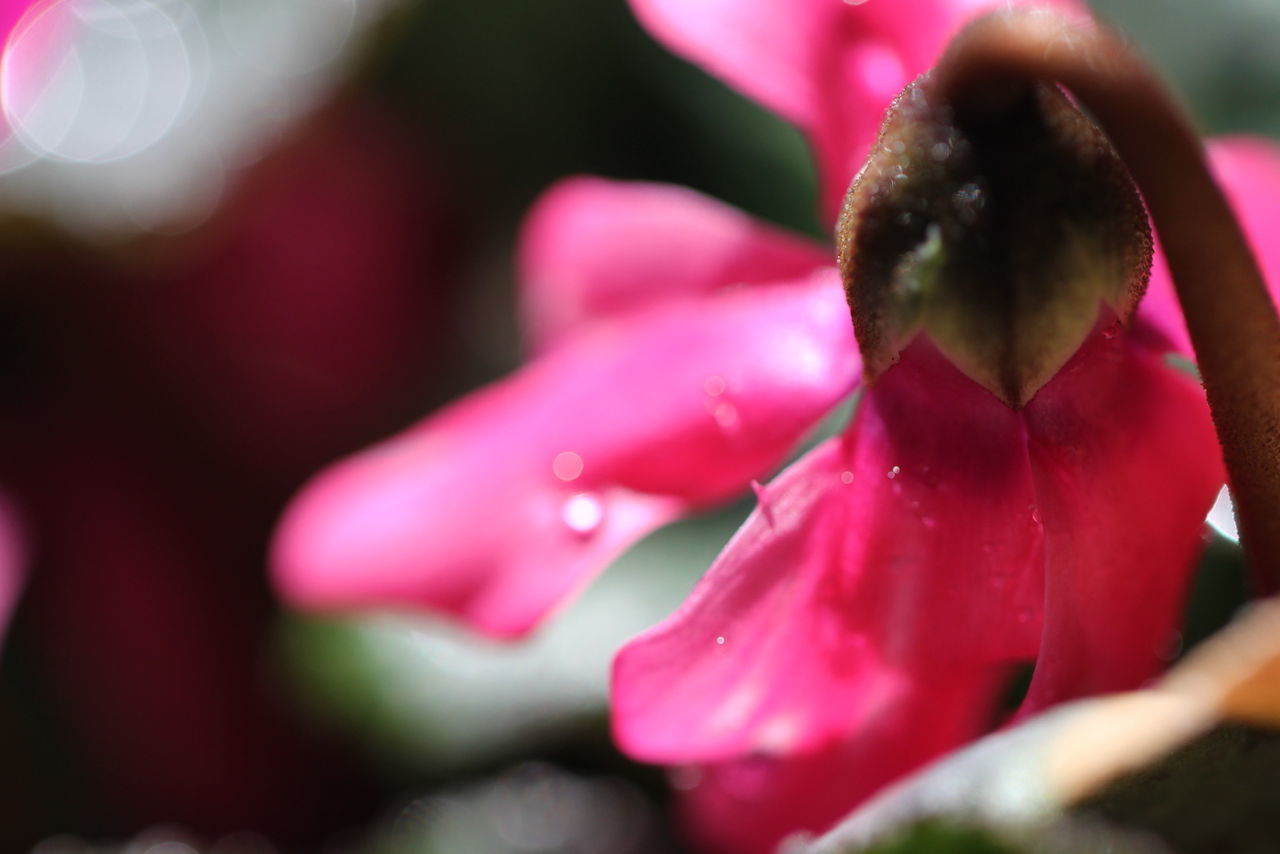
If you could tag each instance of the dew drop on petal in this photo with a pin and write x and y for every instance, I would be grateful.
(714, 385)
(1035, 514)
(720, 640)
(846, 477)
(567, 466)
(726, 415)
(893, 472)
(1171, 648)
(929, 522)
(583, 513)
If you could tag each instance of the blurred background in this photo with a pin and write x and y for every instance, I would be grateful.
(241, 238)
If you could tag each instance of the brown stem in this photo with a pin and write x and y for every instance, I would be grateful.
(1229, 313)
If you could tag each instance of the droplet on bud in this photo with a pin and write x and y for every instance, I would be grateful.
(999, 233)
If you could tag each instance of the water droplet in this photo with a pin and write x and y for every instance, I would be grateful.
(1111, 331)
(854, 2)
(899, 147)
(714, 385)
(726, 415)
(1035, 514)
(894, 472)
(929, 522)
(720, 640)
(583, 513)
(1172, 648)
(567, 466)
(940, 151)
(846, 477)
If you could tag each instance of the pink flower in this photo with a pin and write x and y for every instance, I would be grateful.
(678, 351)
(867, 615)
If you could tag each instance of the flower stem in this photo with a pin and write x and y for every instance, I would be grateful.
(1228, 310)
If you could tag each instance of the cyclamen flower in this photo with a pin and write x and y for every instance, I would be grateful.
(865, 617)
(868, 613)
(678, 351)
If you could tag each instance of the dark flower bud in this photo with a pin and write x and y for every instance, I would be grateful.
(1000, 232)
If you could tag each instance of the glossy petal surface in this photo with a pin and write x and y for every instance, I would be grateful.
(498, 507)
(903, 552)
(1248, 170)
(594, 248)
(831, 67)
(1126, 466)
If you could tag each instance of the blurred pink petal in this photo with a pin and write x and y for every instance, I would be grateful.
(1248, 170)
(24, 65)
(594, 248)
(832, 67)
(1126, 463)
(12, 559)
(498, 507)
(908, 547)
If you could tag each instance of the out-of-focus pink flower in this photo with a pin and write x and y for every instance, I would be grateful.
(678, 351)
(12, 559)
(159, 402)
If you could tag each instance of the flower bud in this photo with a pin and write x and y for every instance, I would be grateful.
(998, 231)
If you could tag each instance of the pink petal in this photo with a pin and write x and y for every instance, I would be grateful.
(500, 506)
(750, 805)
(594, 248)
(1126, 466)
(1248, 169)
(12, 559)
(907, 547)
(830, 66)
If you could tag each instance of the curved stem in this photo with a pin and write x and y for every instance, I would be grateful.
(1228, 310)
